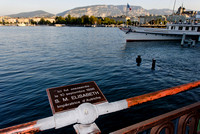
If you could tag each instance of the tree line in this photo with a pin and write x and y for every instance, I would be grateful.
(91, 20)
(84, 20)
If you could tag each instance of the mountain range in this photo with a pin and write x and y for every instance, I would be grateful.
(98, 11)
(111, 10)
(39, 13)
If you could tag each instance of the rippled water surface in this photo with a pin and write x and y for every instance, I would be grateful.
(33, 59)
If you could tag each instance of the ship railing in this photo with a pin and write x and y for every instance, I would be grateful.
(87, 113)
(181, 121)
(183, 24)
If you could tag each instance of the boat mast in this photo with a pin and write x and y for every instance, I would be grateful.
(127, 10)
(174, 7)
(126, 13)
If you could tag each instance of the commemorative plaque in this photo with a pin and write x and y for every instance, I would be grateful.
(71, 96)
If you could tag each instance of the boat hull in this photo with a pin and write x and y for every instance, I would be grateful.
(21, 25)
(157, 34)
(134, 36)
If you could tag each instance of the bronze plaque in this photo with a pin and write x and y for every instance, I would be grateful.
(71, 96)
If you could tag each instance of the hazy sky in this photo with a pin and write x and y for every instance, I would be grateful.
(57, 6)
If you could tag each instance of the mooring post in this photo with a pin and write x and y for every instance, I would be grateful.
(153, 64)
(183, 39)
(189, 42)
(138, 60)
(193, 43)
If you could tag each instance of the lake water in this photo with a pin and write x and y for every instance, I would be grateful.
(33, 59)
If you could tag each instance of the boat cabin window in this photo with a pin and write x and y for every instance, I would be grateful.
(186, 28)
(172, 27)
(193, 28)
(198, 30)
(180, 28)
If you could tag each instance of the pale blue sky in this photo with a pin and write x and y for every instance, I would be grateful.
(58, 6)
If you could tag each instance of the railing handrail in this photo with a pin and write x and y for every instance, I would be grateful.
(159, 120)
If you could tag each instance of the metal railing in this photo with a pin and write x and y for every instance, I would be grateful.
(181, 121)
(87, 113)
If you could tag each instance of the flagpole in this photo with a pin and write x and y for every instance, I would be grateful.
(174, 7)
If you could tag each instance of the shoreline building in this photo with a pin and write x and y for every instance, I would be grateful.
(181, 15)
(147, 19)
(13, 21)
(177, 18)
(124, 18)
(23, 20)
(182, 11)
